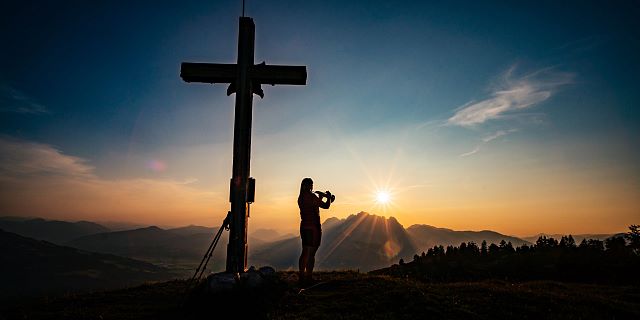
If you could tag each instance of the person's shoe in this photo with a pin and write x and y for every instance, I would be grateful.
(301, 280)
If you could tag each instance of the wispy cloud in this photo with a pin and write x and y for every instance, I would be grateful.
(14, 101)
(488, 139)
(513, 93)
(475, 150)
(498, 134)
(24, 158)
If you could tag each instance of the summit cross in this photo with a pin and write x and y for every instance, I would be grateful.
(245, 79)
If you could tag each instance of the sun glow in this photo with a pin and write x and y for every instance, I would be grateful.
(383, 197)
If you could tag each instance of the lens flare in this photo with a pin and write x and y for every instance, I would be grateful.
(157, 165)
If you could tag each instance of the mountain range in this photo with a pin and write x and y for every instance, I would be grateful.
(426, 237)
(361, 241)
(576, 237)
(32, 266)
(180, 248)
(50, 230)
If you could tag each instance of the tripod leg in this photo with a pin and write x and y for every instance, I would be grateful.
(215, 243)
(209, 253)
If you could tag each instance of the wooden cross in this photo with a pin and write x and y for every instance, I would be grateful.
(244, 79)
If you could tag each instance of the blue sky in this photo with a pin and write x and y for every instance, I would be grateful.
(447, 103)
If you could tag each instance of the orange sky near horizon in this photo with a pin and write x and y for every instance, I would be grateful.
(47, 183)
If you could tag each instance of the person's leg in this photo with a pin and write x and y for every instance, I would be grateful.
(315, 239)
(303, 262)
(304, 255)
(311, 262)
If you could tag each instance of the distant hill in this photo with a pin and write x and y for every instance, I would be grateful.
(120, 225)
(150, 243)
(31, 266)
(361, 241)
(142, 242)
(269, 235)
(577, 237)
(425, 237)
(266, 234)
(50, 230)
(191, 230)
(176, 248)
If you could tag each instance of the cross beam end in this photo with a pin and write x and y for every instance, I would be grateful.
(208, 72)
(278, 74)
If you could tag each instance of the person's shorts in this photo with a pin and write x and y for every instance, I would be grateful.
(311, 236)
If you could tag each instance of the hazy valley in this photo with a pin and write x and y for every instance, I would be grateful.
(95, 257)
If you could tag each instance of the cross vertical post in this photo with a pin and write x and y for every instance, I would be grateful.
(237, 247)
(245, 78)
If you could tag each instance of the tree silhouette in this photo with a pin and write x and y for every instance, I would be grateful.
(592, 244)
(463, 248)
(524, 249)
(483, 248)
(612, 260)
(633, 236)
(472, 248)
(544, 243)
(567, 242)
(494, 249)
(616, 245)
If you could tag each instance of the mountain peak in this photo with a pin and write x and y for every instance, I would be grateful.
(368, 214)
(363, 216)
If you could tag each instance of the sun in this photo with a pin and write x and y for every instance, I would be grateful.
(383, 197)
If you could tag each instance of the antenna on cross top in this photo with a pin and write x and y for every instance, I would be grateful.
(243, 8)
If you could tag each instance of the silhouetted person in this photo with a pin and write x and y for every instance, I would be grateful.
(310, 230)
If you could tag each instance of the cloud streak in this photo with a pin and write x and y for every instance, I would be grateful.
(24, 158)
(488, 139)
(15, 101)
(512, 94)
(475, 150)
(497, 135)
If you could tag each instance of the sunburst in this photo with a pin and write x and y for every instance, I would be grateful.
(383, 197)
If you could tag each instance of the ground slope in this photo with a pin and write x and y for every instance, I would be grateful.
(350, 295)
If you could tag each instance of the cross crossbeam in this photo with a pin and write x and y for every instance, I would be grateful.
(228, 73)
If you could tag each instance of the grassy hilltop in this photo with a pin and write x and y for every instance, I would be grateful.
(348, 295)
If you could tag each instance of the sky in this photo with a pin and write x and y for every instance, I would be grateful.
(515, 117)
